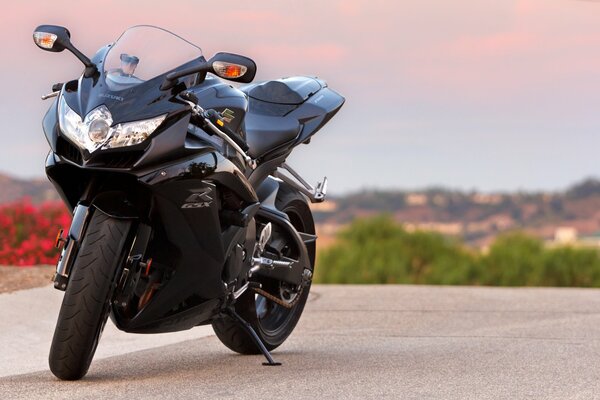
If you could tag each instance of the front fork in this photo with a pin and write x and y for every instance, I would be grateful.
(71, 246)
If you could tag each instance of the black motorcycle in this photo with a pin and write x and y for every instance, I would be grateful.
(184, 210)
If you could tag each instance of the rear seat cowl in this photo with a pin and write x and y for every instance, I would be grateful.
(294, 90)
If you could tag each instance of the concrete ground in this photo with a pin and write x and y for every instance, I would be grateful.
(353, 342)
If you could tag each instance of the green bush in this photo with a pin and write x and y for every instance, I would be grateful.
(377, 250)
(513, 260)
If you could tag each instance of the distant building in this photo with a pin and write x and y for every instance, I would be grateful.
(440, 200)
(452, 228)
(590, 240)
(328, 229)
(327, 206)
(481, 198)
(416, 199)
(565, 235)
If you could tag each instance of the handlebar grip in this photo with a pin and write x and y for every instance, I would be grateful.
(189, 96)
(57, 87)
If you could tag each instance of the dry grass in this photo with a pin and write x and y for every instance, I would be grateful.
(19, 278)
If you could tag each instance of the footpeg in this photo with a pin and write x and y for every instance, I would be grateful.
(268, 264)
(315, 195)
(321, 190)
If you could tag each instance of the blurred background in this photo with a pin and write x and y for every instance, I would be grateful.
(465, 152)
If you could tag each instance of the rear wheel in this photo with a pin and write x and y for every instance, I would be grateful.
(86, 302)
(272, 322)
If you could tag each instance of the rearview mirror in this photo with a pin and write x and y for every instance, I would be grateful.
(233, 67)
(57, 38)
(52, 38)
(225, 65)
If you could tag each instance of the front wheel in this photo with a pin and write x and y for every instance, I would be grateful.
(86, 302)
(272, 322)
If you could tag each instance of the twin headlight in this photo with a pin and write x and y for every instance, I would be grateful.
(96, 131)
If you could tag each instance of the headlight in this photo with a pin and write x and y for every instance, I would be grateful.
(95, 130)
(132, 133)
(92, 132)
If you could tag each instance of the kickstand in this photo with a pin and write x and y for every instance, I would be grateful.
(255, 338)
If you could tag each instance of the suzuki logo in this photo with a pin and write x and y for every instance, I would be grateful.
(198, 199)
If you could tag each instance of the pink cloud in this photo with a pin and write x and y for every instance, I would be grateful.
(518, 61)
(255, 17)
(528, 8)
(328, 53)
(350, 8)
(499, 44)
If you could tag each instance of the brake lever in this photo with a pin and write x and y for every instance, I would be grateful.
(50, 95)
(192, 100)
(56, 88)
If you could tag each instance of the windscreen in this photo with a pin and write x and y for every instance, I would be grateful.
(144, 52)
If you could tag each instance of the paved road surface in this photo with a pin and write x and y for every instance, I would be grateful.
(354, 342)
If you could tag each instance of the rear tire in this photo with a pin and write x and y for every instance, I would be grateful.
(275, 329)
(86, 302)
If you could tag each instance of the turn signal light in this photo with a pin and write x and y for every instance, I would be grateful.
(228, 70)
(59, 239)
(44, 40)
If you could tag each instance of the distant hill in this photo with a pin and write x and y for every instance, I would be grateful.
(476, 217)
(13, 189)
(588, 188)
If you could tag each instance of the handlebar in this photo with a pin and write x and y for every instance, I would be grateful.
(214, 117)
(211, 121)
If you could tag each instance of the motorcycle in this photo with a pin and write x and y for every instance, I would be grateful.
(185, 211)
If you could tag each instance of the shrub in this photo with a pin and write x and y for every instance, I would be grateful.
(379, 251)
(28, 232)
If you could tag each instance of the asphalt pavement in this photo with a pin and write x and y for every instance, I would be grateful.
(353, 342)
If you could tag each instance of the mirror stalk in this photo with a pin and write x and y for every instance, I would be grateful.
(90, 67)
(171, 79)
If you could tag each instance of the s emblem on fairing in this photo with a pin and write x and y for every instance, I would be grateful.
(228, 115)
(198, 199)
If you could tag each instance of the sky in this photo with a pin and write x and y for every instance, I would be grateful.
(491, 95)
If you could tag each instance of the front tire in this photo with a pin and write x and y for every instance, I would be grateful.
(86, 302)
(272, 322)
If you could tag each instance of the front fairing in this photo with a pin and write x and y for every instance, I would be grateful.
(138, 102)
(125, 95)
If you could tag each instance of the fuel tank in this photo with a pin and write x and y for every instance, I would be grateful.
(223, 97)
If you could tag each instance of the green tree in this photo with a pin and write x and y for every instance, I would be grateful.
(514, 259)
(378, 250)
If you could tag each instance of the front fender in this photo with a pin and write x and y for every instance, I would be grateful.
(116, 204)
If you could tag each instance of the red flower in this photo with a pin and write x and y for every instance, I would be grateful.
(28, 232)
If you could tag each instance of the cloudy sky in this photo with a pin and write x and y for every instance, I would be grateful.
(484, 94)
